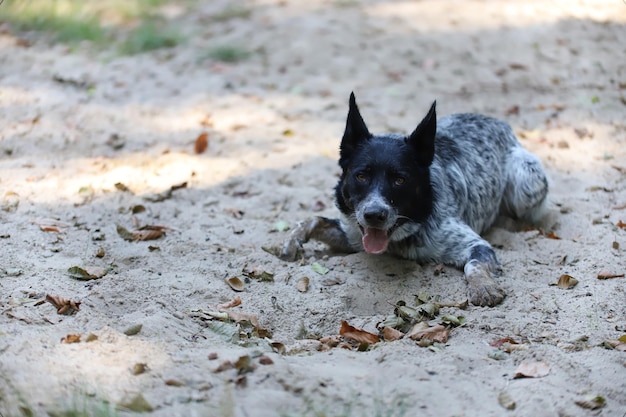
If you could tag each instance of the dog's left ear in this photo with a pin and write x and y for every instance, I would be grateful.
(423, 137)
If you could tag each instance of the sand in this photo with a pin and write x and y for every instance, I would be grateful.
(75, 122)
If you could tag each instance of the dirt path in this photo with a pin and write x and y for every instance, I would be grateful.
(75, 124)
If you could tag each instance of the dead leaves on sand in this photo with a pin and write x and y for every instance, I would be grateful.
(63, 305)
(143, 233)
(233, 325)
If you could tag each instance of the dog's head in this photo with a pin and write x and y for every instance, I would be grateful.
(385, 183)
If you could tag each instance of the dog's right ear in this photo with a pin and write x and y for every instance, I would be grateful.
(356, 130)
(423, 137)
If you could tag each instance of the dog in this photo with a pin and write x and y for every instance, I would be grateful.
(430, 195)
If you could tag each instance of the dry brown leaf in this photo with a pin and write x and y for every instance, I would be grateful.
(500, 342)
(121, 187)
(232, 303)
(436, 333)
(54, 229)
(608, 275)
(265, 360)
(532, 370)
(390, 334)
(235, 283)
(63, 305)
(552, 235)
(239, 317)
(591, 402)
(566, 282)
(621, 224)
(202, 143)
(148, 234)
(71, 338)
(303, 284)
(357, 335)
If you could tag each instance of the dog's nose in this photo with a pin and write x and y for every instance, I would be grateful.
(376, 216)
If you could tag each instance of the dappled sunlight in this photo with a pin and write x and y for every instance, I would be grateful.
(452, 16)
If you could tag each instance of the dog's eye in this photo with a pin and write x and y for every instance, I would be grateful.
(361, 177)
(399, 181)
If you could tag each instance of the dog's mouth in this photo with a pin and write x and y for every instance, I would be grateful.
(375, 241)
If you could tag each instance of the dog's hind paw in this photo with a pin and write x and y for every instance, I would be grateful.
(482, 289)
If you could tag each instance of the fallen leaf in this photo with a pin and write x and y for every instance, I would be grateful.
(505, 400)
(532, 370)
(136, 403)
(436, 333)
(174, 383)
(239, 317)
(591, 402)
(133, 330)
(257, 273)
(566, 282)
(244, 364)
(621, 224)
(319, 268)
(87, 273)
(145, 233)
(202, 143)
(235, 283)
(165, 195)
(122, 187)
(232, 303)
(63, 305)
(390, 334)
(236, 213)
(265, 360)
(224, 366)
(278, 347)
(303, 284)
(454, 321)
(500, 342)
(139, 368)
(608, 275)
(54, 229)
(71, 338)
(357, 335)
(288, 132)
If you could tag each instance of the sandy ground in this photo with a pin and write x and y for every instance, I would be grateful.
(73, 124)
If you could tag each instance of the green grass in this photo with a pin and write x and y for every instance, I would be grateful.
(228, 53)
(135, 25)
(232, 12)
(148, 36)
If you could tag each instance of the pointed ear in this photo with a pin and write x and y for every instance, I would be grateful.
(423, 137)
(356, 130)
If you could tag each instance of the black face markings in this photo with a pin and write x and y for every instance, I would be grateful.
(386, 166)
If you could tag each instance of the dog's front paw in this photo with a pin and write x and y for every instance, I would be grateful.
(482, 289)
(291, 249)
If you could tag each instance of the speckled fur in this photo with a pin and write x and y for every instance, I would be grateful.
(436, 191)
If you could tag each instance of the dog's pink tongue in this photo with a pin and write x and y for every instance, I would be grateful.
(375, 240)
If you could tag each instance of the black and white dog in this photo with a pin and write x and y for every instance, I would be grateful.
(428, 196)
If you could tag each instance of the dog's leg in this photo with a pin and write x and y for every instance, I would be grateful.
(526, 187)
(479, 270)
(325, 230)
(459, 245)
